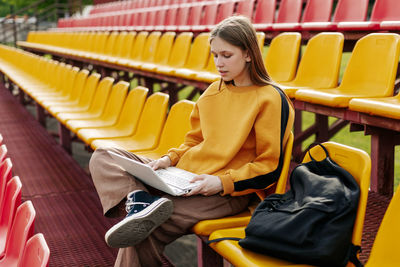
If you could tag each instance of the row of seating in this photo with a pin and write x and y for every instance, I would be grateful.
(370, 73)
(134, 4)
(18, 244)
(348, 16)
(165, 54)
(98, 112)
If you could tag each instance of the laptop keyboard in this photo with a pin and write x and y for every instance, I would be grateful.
(180, 181)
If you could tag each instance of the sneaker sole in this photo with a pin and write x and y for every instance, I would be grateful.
(134, 229)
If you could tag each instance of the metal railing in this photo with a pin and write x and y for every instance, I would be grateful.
(16, 26)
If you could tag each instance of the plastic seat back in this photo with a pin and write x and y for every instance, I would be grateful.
(317, 11)
(36, 252)
(199, 52)
(210, 67)
(265, 11)
(171, 16)
(289, 11)
(225, 10)
(176, 126)
(351, 10)
(210, 14)
(182, 15)
(152, 119)
(372, 67)
(137, 49)
(320, 63)
(194, 15)
(282, 56)
(12, 199)
(132, 109)
(150, 47)
(119, 44)
(128, 45)
(385, 10)
(110, 43)
(260, 40)
(1, 139)
(358, 164)
(101, 96)
(90, 87)
(160, 17)
(164, 48)
(79, 85)
(3, 152)
(5, 176)
(385, 248)
(99, 44)
(115, 102)
(245, 8)
(21, 230)
(180, 50)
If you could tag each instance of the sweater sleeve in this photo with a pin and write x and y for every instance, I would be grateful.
(269, 127)
(192, 138)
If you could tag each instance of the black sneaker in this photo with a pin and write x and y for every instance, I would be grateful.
(145, 213)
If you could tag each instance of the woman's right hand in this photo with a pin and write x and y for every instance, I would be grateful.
(160, 163)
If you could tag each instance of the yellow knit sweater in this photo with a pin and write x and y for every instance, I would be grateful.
(236, 134)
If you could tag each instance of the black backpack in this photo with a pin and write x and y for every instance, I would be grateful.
(313, 222)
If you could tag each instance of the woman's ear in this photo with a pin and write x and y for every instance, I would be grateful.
(247, 58)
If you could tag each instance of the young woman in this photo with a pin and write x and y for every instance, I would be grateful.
(240, 126)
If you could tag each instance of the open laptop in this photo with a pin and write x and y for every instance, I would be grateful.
(171, 180)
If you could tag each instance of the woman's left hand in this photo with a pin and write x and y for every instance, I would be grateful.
(208, 185)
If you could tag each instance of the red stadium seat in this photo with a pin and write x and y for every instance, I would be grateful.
(264, 15)
(36, 252)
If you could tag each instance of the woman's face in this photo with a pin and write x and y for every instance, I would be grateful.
(231, 62)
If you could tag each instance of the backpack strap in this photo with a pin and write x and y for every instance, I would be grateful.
(353, 255)
(222, 239)
(323, 147)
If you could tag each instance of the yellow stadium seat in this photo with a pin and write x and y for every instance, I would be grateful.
(96, 107)
(118, 47)
(371, 72)
(319, 66)
(385, 248)
(84, 100)
(109, 47)
(76, 91)
(355, 161)
(65, 88)
(111, 111)
(197, 58)
(162, 52)
(149, 128)
(210, 73)
(135, 51)
(179, 54)
(97, 46)
(127, 121)
(388, 107)
(282, 56)
(127, 45)
(149, 50)
(175, 129)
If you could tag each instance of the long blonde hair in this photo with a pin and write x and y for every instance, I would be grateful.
(238, 31)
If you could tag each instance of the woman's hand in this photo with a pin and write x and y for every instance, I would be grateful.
(208, 185)
(160, 163)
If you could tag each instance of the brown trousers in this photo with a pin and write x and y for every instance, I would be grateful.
(113, 184)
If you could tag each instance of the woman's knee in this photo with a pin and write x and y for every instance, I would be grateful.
(97, 157)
